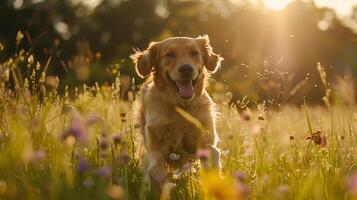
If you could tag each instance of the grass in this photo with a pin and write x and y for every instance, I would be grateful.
(85, 145)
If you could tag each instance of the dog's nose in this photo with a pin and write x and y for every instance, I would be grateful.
(186, 69)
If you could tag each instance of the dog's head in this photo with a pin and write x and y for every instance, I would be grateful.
(178, 64)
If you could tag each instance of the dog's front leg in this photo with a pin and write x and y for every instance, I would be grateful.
(210, 143)
(157, 174)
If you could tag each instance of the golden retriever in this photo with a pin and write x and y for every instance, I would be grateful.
(176, 114)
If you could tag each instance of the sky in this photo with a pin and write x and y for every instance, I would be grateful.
(342, 7)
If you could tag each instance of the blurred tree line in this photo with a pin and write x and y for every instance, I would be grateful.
(268, 54)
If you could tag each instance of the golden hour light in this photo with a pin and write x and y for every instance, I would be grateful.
(178, 99)
(276, 4)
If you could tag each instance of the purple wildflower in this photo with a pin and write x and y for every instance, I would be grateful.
(83, 165)
(283, 189)
(88, 183)
(351, 183)
(123, 158)
(240, 176)
(103, 143)
(105, 171)
(38, 156)
(78, 129)
(116, 138)
(92, 119)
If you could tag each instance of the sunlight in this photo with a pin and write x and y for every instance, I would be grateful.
(276, 4)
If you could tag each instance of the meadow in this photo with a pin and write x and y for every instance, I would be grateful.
(85, 144)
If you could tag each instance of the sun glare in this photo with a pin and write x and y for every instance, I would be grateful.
(276, 4)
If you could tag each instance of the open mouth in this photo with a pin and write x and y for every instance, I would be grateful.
(185, 88)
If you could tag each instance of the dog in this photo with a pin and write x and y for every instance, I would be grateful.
(176, 114)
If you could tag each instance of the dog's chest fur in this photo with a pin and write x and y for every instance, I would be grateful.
(169, 132)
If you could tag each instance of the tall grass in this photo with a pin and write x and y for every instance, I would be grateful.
(85, 145)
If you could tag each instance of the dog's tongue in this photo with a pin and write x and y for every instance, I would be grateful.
(185, 89)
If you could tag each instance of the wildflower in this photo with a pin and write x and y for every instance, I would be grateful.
(123, 117)
(318, 138)
(351, 183)
(256, 128)
(240, 176)
(103, 143)
(243, 190)
(123, 158)
(105, 171)
(202, 154)
(38, 156)
(79, 130)
(88, 183)
(230, 136)
(116, 138)
(246, 115)
(215, 187)
(248, 151)
(92, 119)
(174, 157)
(115, 192)
(186, 167)
(283, 189)
(122, 114)
(83, 165)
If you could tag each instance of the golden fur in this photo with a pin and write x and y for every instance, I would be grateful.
(166, 131)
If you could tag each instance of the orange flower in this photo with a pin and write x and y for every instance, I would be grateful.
(318, 138)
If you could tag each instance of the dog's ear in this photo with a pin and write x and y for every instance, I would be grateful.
(211, 60)
(145, 61)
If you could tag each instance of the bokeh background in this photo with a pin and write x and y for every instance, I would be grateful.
(271, 47)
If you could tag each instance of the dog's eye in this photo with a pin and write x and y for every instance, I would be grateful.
(194, 53)
(170, 55)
